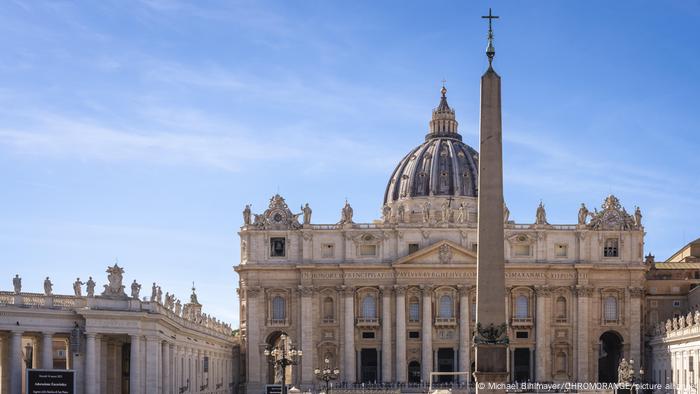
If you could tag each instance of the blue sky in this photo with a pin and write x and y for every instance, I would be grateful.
(139, 130)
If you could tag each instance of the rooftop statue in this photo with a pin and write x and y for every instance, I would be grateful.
(90, 288)
(541, 215)
(135, 289)
(17, 283)
(346, 214)
(48, 286)
(506, 213)
(159, 295)
(582, 214)
(114, 288)
(77, 289)
(386, 213)
(306, 210)
(462, 213)
(154, 292)
(638, 217)
(246, 215)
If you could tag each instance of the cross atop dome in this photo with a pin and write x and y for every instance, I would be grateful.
(443, 123)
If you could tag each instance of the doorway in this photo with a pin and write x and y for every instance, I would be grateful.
(609, 356)
(369, 372)
(445, 363)
(521, 365)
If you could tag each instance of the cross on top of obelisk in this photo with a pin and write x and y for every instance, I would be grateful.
(490, 49)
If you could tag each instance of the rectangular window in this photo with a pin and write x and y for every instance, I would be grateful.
(561, 250)
(368, 250)
(205, 369)
(521, 334)
(414, 334)
(412, 248)
(328, 251)
(676, 303)
(521, 250)
(414, 311)
(277, 247)
(610, 248)
(367, 334)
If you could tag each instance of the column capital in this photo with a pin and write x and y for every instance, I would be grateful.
(252, 291)
(464, 290)
(583, 291)
(426, 290)
(385, 291)
(636, 292)
(543, 291)
(92, 335)
(400, 289)
(306, 291)
(347, 291)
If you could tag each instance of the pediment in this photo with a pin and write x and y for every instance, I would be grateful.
(440, 253)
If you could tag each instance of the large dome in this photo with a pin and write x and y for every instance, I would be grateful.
(443, 165)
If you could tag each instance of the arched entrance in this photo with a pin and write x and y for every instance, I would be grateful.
(414, 372)
(274, 375)
(609, 356)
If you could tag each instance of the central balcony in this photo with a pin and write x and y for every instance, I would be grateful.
(367, 322)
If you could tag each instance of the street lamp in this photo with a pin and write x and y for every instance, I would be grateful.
(282, 355)
(327, 374)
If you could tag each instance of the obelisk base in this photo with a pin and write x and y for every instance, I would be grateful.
(491, 375)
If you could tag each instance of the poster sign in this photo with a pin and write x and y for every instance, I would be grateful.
(50, 381)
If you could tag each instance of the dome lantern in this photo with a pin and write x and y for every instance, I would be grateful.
(443, 123)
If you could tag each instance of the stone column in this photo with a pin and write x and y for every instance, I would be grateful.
(134, 367)
(401, 368)
(349, 334)
(4, 364)
(541, 350)
(635, 324)
(255, 315)
(307, 335)
(426, 362)
(15, 358)
(152, 352)
(90, 363)
(583, 294)
(464, 338)
(386, 335)
(166, 367)
(47, 350)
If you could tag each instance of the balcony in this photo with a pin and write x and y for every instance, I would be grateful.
(328, 320)
(367, 322)
(278, 323)
(445, 322)
(521, 321)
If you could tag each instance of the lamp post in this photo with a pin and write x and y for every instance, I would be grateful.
(327, 374)
(282, 355)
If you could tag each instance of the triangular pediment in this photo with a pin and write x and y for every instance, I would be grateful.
(440, 253)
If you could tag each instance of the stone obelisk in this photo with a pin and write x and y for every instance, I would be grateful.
(490, 338)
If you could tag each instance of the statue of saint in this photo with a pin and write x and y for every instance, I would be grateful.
(90, 288)
(77, 289)
(346, 214)
(625, 373)
(582, 214)
(159, 295)
(154, 292)
(48, 286)
(426, 212)
(135, 290)
(17, 283)
(506, 213)
(445, 211)
(166, 304)
(541, 215)
(178, 307)
(246, 215)
(638, 217)
(386, 213)
(461, 213)
(306, 209)
(114, 288)
(400, 215)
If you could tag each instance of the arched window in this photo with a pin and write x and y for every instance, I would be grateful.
(369, 307)
(328, 313)
(521, 307)
(445, 311)
(413, 309)
(610, 311)
(414, 372)
(279, 310)
(561, 308)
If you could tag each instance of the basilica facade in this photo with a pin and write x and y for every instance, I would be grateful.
(394, 300)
